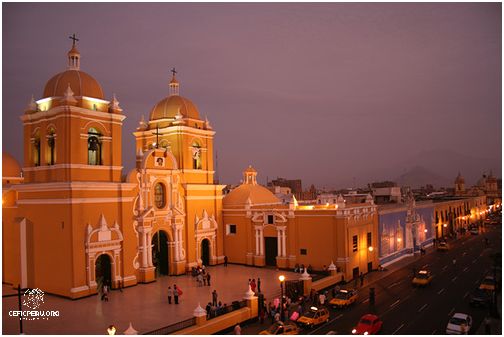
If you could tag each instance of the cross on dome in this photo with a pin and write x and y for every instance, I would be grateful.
(174, 84)
(74, 39)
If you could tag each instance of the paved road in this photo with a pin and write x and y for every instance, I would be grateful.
(408, 310)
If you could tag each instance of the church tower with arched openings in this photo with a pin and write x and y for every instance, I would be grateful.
(179, 207)
(70, 229)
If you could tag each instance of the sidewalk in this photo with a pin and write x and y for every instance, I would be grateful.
(144, 305)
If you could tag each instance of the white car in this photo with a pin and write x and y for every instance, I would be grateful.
(459, 324)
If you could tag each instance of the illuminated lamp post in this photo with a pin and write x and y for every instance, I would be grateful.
(111, 330)
(281, 278)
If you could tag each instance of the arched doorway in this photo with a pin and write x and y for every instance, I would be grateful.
(205, 252)
(160, 253)
(103, 271)
(271, 250)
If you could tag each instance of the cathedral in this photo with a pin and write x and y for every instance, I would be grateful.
(71, 222)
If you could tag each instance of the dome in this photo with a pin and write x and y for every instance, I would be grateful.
(459, 179)
(81, 83)
(257, 194)
(250, 189)
(10, 166)
(170, 106)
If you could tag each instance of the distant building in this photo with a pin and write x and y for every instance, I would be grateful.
(386, 192)
(261, 231)
(296, 188)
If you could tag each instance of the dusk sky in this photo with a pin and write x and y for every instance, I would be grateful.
(335, 94)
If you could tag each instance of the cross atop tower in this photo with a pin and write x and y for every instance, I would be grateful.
(173, 72)
(74, 39)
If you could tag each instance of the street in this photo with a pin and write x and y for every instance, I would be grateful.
(405, 309)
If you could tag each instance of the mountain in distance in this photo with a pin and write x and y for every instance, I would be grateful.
(444, 166)
(420, 176)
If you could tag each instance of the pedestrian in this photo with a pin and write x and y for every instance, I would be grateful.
(199, 278)
(322, 298)
(105, 293)
(225, 261)
(208, 279)
(361, 279)
(170, 294)
(203, 268)
(208, 308)
(214, 297)
(261, 316)
(237, 329)
(204, 279)
(176, 293)
(277, 317)
(258, 285)
(488, 328)
(253, 285)
(250, 280)
(119, 285)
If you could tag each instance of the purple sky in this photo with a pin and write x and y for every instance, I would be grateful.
(334, 93)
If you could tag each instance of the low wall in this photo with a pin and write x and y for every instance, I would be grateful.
(327, 282)
(219, 323)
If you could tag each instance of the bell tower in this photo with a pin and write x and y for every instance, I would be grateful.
(72, 132)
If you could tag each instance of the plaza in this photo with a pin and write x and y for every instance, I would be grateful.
(144, 305)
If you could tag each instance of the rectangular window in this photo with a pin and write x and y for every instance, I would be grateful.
(302, 251)
(369, 240)
(354, 243)
(271, 219)
(230, 229)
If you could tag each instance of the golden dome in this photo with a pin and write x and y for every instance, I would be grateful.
(170, 106)
(81, 83)
(10, 166)
(258, 195)
(250, 169)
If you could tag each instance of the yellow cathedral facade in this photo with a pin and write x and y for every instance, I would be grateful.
(71, 221)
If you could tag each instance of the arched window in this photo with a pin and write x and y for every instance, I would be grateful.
(36, 150)
(159, 195)
(51, 147)
(196, 156)
(94, 147)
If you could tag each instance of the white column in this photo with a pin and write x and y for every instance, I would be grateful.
(284, 252)
(149, 249)
(24, 269)
(279, 243)
(261, 242)
(177, 252)
(144, 249)
(257, 242)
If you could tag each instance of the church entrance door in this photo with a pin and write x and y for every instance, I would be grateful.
(103, 271)
(160, 253)
(271, 250)
(205, 252)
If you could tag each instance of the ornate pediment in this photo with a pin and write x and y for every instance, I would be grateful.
(103, 233)
(205, 223)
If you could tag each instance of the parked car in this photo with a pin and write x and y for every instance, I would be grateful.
(488, 283)
(422, 278)
(459, 324)
(280, 328)
(442, 246)
(344, 298)
(314, 316)
(480, 298)
(369, 324)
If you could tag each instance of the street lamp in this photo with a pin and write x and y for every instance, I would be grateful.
(111, 330)
(370, 248)
(281, 278)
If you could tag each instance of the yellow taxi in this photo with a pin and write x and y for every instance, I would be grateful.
(422, 278)
(280, 328)
(344, 298)
(314, 316)
(443, 246)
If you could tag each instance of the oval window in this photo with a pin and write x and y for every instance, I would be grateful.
(159, 195)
